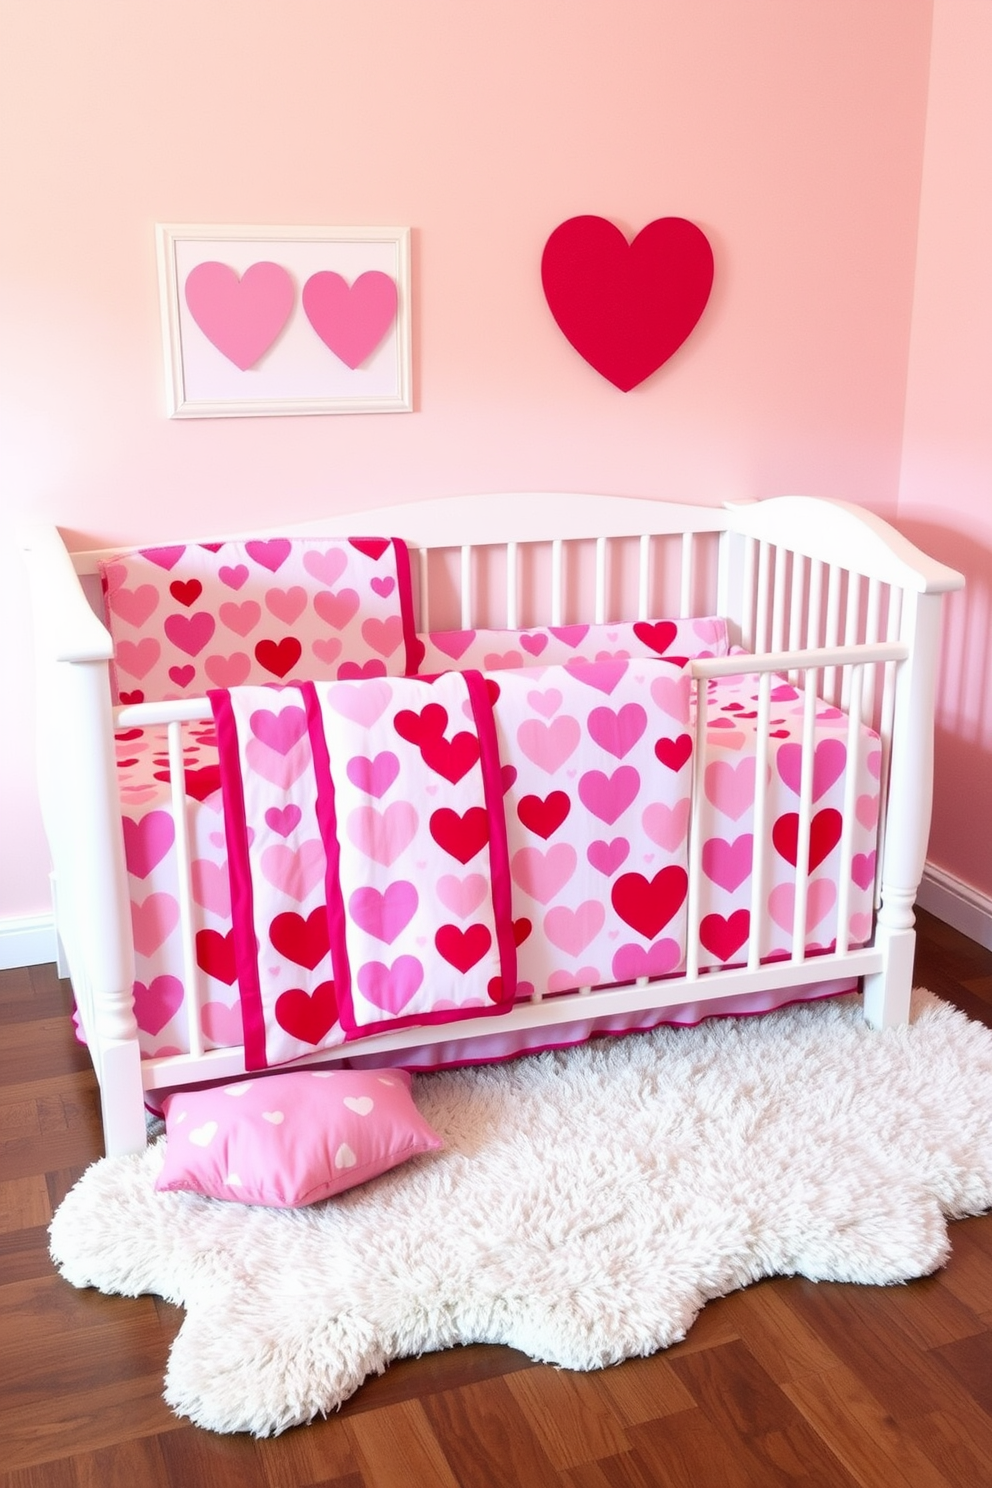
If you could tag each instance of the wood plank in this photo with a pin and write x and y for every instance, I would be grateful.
(489, 1441)
(571, 1414)
(747, 1406)
(322, 1452)
(70, 1424)
(960, 1443)
(688, 1450)
(874, 1448)
(860, 1326)
(396, 1447)
(123, 1465)
(781, 1341)
(23, 1202)
(645, 1389)
(970, 1360)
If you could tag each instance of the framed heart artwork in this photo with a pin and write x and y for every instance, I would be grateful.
(285, 320)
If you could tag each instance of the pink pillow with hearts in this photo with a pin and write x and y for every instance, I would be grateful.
(290, 1139)
(557, 645)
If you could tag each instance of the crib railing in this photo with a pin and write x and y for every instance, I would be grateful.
(829, 595)
(696, 982)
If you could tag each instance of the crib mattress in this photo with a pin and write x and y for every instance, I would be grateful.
(726, 826)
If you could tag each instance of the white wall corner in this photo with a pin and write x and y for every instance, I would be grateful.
(957, 904)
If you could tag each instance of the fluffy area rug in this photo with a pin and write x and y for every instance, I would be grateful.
(586, 1206)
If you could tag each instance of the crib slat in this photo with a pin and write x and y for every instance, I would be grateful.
(805, 818)
(758, 830)
(814, 602)
(852, 617)
(872, 625)
(557, 581)
(644, 576)
(747, 608)
(685, 578)
(796, 608)
(893, 628)
(512, 587)
(833, 630)
(848, 818)
(762, 640)
(180, 818)
(602, 549)
(694, 892)
(778, 603)
(424, 610)
(465, 587)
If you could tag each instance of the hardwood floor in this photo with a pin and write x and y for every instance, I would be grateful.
(789, 1382)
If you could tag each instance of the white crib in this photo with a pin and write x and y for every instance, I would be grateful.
(820, 593)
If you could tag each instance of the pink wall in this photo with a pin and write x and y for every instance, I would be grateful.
(945, 501)
(790, 130)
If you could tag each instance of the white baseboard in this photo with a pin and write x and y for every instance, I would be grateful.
(31, 941)
(27, 941)
(957, 904)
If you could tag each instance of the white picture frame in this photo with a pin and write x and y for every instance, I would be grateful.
(270, 321)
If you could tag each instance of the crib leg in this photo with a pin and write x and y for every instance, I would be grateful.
(122, 1097)
(61, 959)
(888, 992)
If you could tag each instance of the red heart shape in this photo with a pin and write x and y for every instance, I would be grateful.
(658, 635)
(372, 547)
(673, 753)
(463, 949)
(723, 936)
(460, 836)
(305, 942)
(186, 592)
(452, 758)
(279, 657)
(199, 783)
(308, 1016)
(215, 955)
(824, 835)
(544, 817)
(626, 307)
(647, 905)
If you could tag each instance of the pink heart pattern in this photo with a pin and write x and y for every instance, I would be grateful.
(551, 955)
(267, 610)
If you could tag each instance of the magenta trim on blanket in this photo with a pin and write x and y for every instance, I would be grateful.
(499, 853)
(327, 821)
(239, 872)
(414, 647)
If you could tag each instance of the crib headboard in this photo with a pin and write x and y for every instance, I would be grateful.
(778, 570)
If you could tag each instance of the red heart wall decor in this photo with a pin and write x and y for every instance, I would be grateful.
(626, 307)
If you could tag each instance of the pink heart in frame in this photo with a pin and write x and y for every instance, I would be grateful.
(351, 320)
(241, 316)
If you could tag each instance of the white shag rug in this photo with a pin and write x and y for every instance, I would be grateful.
(586, 1206)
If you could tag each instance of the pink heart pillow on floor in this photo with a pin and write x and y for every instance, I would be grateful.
(290, 1139)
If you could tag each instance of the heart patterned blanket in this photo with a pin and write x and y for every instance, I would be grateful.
(390, 843)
